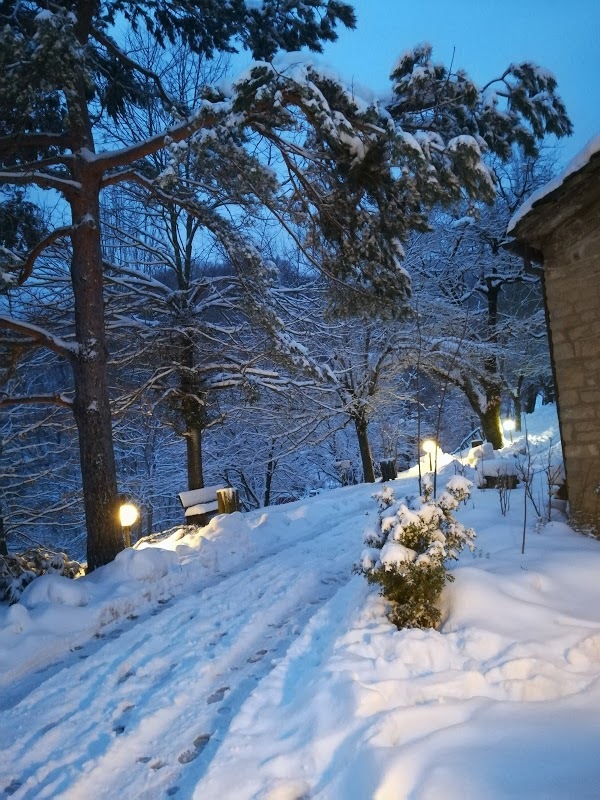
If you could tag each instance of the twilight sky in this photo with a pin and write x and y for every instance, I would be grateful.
(486, 35)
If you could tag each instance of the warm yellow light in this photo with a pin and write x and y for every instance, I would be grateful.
(128, 514)
(509, 424)
(429, 446)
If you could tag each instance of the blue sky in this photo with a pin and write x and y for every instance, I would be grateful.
(486, 35)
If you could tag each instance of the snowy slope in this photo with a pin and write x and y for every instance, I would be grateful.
(251, 663)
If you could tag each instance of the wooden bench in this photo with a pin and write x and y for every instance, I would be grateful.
(200, 505)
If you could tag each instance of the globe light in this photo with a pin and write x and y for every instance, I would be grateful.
(429, 446)
(128, 514)
(509, 425)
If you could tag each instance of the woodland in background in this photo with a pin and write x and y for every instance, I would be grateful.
(208, 281)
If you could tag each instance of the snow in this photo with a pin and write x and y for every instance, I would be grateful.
(580, 160)
(245, 659)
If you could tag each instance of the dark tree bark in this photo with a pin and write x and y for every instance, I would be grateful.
(91, 405)
(3, 547)
(490, 420)
(361, 426)
(271, 464)
(193, 444)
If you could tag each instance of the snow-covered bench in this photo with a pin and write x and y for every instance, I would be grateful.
(200, 505)
(495, 472)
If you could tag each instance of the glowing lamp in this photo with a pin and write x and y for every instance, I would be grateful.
(128, 514)
(509, 425)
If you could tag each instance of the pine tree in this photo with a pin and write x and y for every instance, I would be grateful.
(62, 71)
(353, 177)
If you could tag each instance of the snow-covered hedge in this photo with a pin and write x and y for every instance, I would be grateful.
(17, 570)
(408, 553)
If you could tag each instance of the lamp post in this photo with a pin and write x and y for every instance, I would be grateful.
(128, 514)
(429, 446)
(509, 425)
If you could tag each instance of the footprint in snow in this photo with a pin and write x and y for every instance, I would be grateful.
(144, 759)
(217, 696)
(119, 729)
(123, 678)
(12, 788)
(172, 791)
(256, 657)
(199, 744)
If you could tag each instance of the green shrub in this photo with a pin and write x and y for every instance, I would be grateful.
(17, 570)
(407, 554)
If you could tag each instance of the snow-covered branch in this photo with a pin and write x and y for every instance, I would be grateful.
(40, 337)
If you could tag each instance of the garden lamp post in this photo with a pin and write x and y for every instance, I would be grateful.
(429, 446)
(509, 425)
(128, 514)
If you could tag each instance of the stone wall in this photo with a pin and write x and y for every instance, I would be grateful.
(572, 282)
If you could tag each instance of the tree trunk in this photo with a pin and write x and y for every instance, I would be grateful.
(517, 402)
(361, 425)
(518, 411)
(490, 418)
(530, 399)
(192, 412)
(91, 405)
(3, 547)
(149, 518)
(193, 443)
(269, 479)
(490, 421)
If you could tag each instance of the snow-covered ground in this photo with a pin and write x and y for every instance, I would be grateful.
(247, 661)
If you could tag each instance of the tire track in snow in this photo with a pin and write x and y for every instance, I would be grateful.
(143, 715)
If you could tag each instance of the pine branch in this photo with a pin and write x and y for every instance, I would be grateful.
(35, 252)
(49, 399)
(40, 336)
(67, 187)
(11, 145)
(116, 51)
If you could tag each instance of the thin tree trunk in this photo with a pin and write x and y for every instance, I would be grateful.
(3, 547)
(149, 518)
(269, 479)
(517, 403)
(490, 419)
(361, 425)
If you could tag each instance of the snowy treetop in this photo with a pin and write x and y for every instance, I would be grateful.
(578, 162)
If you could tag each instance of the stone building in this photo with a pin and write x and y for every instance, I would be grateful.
(559, 227)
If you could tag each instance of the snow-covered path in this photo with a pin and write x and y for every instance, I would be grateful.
(143, 713)
(246, 661)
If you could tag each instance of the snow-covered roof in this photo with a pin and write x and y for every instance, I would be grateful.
(577, 163)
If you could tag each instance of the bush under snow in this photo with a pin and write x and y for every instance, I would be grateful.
(407, 554)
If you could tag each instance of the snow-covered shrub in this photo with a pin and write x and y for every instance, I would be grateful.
(408, 553)
(17, 570)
